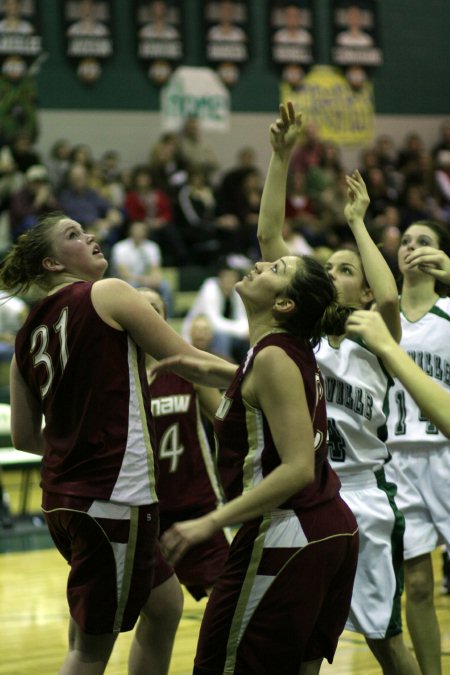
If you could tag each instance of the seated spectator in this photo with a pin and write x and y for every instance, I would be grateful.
(231, 181)
(300, 210)
(381, 194)
(443, 142)
(58, 163)
(33, 200)
(23, 152)
(89, 208)
(137, 260)
(195, 150)
(417, 204)
(246, 207)
(442, 182)
(11, 180)
(168, 168)
(218, 300)
(324, 174)
(309, 152)
(82, 154)
(195, 216)
(152, 206)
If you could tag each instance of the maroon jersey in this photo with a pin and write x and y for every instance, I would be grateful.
(187, 479)
(91, 382)
(247, 452)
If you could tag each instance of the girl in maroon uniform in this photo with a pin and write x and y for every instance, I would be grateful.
(284, 594)
(188, 485)
(79, 362)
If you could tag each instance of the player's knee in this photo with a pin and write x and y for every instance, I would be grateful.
(419, 590)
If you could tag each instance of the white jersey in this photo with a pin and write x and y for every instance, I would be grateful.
(356, 393)
(427, 341)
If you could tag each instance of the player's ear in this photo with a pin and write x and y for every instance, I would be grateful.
(52, 265)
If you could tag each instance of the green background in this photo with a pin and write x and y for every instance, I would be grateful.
(414, 79)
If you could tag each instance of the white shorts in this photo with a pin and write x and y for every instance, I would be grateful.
(375, 610)
(423, 480)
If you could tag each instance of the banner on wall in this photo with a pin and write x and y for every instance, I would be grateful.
(197, 92)
(341, 114)
(291, 41)
(159, 37)
(226, 37)
(88, 33)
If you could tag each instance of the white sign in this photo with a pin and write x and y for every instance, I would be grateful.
(195, 91)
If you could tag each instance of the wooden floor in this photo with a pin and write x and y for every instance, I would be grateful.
(33, 619)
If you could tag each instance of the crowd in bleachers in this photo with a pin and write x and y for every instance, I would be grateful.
(193, 210)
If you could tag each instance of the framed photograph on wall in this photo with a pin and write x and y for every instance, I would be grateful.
(20, 38)
(355, 34)
(226, 37)
(159, 35)
(291, 39)
(88, 34)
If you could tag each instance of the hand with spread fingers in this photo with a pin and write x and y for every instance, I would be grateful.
(358, 199)
(285, 132)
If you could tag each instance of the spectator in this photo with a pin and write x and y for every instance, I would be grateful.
(195, 216)
(195, 150)
(23, 152)
(167, 166)
(33, 200)
(310, 150)
(58, 163)
(11, 180)
(89, 208)
(218, 300)
(151, 205)
(137, 260)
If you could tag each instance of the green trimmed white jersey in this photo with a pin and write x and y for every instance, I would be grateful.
(427, 341)
(356, 394)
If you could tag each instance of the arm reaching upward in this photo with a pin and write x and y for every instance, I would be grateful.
(376, 269)
(433, 400)
(284, 135)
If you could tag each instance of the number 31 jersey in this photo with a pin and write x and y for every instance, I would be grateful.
(427, 341)
(356, 395)
(90, 381)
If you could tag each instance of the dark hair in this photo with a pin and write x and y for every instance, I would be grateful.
(22, 267)
(443, 236)
(316, 308)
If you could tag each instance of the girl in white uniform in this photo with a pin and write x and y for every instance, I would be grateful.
(356, 391)
(420, 453)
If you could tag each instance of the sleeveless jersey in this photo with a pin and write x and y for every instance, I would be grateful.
(187, 477)
(427, 341)
(246, 450)
(91, 382)
(356, 393)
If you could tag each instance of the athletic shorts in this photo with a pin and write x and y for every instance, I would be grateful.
(376, 602)
(199, 568)
(110, 548)
(162, 569)
(284, 594)
(423, 480)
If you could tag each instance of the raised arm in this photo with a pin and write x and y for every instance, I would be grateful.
(279, 391)
(376, 269)
(124, 308)
(284, 134)
(432, 399)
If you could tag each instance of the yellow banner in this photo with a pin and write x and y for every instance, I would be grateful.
(342, 115)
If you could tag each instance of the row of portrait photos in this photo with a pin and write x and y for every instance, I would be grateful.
(160, 30)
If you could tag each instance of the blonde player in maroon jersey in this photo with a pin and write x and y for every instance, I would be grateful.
(79, 362)
(188, 485)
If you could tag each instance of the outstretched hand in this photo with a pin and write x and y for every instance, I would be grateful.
(358, 198)
(430, 260)
(286, 130)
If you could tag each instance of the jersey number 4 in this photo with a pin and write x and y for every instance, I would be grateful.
(170, 448)
(336, 442)
(400, 426)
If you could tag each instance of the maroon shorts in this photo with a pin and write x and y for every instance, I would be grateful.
(199, 568)
(110, 548)
(163, 570)
(281, 601)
